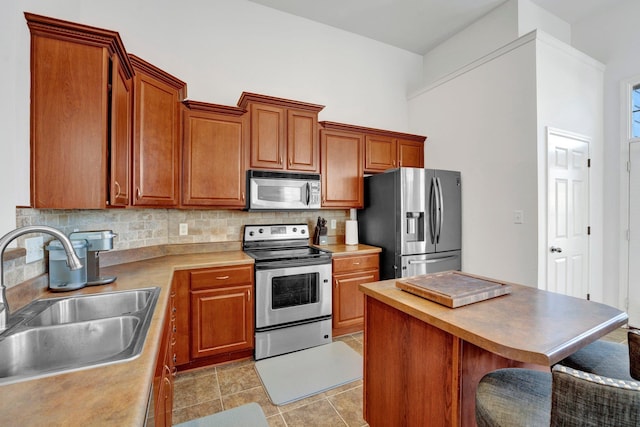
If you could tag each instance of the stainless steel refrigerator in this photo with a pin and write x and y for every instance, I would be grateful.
(415, 216)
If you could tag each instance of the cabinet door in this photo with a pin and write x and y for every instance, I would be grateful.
(410, 154)
(222, 320)
(380, 153)
(155, 147)
(342, 160)
(214, 154)
(348, 301)
(302, 141)
(120, 144)
(69, 124)
(267, 136)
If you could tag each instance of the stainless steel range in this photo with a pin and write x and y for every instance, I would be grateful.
(293, 289)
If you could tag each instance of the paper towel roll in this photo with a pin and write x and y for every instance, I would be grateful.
(351, 232)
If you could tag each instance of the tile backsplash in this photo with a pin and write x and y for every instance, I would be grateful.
(138, 228)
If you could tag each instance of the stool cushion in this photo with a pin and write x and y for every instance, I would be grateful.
(514, 397)
(604, 358)
(242, 416)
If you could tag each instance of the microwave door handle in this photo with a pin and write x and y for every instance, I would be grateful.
(308, 193)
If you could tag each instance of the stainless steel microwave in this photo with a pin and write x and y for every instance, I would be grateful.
(271, 191)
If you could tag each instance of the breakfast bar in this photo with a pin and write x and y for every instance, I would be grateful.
(423, 360)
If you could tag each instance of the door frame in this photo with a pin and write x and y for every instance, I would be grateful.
(588, 140)
(625, 141)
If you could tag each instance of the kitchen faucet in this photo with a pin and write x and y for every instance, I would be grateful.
(72, 261)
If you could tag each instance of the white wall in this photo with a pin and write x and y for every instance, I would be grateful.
(569, 97)
(501, 26)
(220, 48)
(492, 31)
(613, 38)
(483, 123)
(533, 17)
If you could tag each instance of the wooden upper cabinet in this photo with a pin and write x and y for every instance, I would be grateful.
(215, 155)
(387, 150)
(80, 115)
(410, 154)
(284, 133)
(380, 153)
(121, 126)
(156, 142)
(342, 161)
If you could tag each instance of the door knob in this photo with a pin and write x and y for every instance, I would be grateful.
(555, 249)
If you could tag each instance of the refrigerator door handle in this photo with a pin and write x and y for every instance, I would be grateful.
(433, 211)
(440, 209)
(431, 261)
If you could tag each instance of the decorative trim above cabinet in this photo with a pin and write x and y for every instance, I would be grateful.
(248, 97)
(213, 108)
(79, 33)
(371, 131)
(160, 74)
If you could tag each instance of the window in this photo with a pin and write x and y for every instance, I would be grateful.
(635, 111)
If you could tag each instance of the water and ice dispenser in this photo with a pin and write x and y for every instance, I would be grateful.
(414, 231)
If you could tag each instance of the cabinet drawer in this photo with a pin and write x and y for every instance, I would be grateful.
(223, 276)
(355, 263)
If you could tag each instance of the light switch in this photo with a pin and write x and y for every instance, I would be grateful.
(518, 217)
(35, 250)
(333, 224)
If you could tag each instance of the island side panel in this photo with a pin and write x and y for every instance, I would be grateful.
(411, 370)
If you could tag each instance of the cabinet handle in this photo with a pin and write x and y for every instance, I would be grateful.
(290, 162)
(174, 309)
(175, 358)
(280, 160)
(356, 263)
(336, 281)
(249, 295)
(243, 196)
(138, 193)
(117, 184)
(174, 371)
(222, 277)
(394, 163)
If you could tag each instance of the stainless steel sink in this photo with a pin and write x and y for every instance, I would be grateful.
(68, 310)
(52, 336)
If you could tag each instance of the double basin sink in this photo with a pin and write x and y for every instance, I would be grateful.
(57, 335)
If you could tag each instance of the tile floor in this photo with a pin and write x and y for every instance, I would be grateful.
(210, 390)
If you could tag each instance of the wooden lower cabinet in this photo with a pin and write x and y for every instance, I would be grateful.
(348, 301)
(222, 312)
(165, 369)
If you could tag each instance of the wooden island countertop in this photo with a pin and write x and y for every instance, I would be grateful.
(427, 359)
(113, 395)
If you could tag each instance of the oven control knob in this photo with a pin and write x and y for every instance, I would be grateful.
(302, 231)
(251, 233)
(260, 230)
(295, 229)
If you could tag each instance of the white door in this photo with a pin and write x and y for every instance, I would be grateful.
(567, 213)
(634, 235)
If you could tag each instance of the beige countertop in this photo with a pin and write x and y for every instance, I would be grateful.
(114, 395)
(528, 325)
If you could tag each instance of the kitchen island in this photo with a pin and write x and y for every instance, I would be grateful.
(423, 360)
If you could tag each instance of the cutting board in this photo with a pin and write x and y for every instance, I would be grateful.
(453, 288)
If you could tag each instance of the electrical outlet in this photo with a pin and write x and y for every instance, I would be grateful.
(518, 217)
(333, 224)
(35, 249)
(184, 229)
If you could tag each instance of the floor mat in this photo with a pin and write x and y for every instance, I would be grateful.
(301, 374)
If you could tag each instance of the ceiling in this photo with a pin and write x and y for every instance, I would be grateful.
(417, 25)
